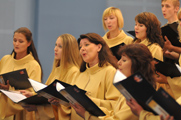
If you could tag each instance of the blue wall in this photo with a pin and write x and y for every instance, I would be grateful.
(47, 19)
(56, 17)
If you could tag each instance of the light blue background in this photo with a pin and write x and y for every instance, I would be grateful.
(47, 19)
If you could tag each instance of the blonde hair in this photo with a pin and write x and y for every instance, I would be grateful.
(70, 54)
(176, 3)
(179, 27)
(115, 11)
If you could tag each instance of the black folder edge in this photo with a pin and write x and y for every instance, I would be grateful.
(167, 103)
(51, 90)
(33, 100)
(158, 96)
(131, 32)
(17, 79)
(171, 34)
(167, 69)
(80, 96)
(146, 88)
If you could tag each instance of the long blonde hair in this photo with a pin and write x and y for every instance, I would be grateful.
(179, 27)
(70, 54)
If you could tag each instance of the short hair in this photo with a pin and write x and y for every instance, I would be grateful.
(153, 27)
(105, 55)
(176, 3)
(141, 59)
(115, 11)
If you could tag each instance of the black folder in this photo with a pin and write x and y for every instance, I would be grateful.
(170, 30)
(68, 93)
(115, 50)
(165, 101)
(158, 102)
(132, 32)
(17, 79)
(35, 100)
(137, 87)
(167, 69)
(17, 97)
(51, 91)
(76, 95)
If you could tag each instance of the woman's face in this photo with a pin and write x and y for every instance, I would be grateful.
(58, 48)
(111, 22)
(124, 65)
(89, 51)
(140, 31)
(20, 44)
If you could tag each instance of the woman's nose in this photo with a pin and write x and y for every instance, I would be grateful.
(16, 43)
(119, 62)
(55, 49)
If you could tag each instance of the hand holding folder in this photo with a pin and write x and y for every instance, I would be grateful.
(168, 69)
(67, 93)
(171, 32)
(49, 91)
(17, 97)
(17, 79)
(76, 95)
(158, 102)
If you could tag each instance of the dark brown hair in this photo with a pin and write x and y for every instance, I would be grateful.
(105, 55)
(27, 33)
(141, 59)
(153, 25)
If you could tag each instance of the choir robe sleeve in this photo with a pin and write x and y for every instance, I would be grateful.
(104, 94)
(35, 74)
(111, 95)
(145, 115)
(12, 108)
(179, 100)
(61, 112)
(156, 52)
(44, 112)
(175, 85)
(109, 102)
(121, 111)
